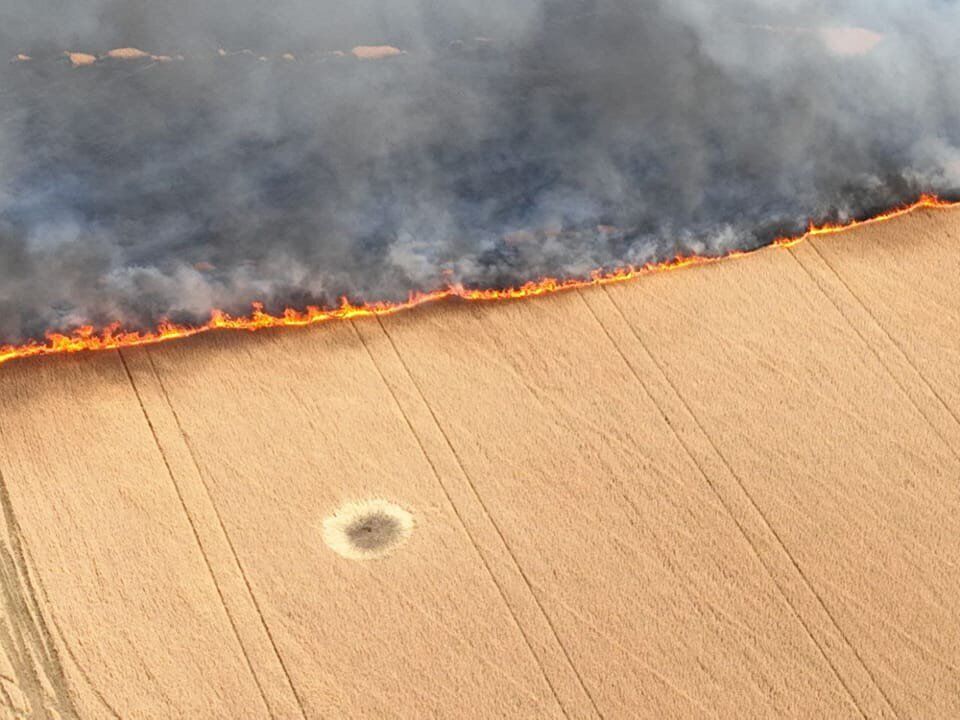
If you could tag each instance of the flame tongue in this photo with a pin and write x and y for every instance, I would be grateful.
(113, 336)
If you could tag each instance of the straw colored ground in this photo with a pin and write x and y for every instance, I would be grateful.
(728, 491)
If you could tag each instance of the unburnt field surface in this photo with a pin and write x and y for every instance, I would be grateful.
(728, 491)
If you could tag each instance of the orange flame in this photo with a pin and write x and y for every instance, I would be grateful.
(114, 337)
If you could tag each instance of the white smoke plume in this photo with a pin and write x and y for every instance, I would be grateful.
(295, 151)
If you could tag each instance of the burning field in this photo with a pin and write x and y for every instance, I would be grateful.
(672, 429)
(115, 337)
(165, 170)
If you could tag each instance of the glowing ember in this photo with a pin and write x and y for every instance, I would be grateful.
(127, 53)
(849, 41)
(113, 337)
(79, 59)
(842, 41)
(375, 52)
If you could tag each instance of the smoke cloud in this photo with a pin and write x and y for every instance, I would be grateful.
(248, 154)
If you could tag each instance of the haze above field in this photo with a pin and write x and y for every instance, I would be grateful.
(488, 146)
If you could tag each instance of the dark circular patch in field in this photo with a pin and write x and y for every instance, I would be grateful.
(367, 530)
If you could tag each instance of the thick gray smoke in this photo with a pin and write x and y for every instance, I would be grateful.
(510, 140)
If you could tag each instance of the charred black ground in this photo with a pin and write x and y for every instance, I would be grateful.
(374, 532)
(545, 138)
